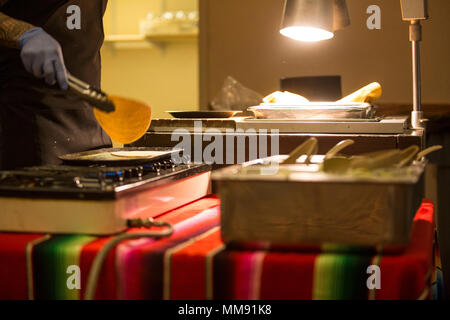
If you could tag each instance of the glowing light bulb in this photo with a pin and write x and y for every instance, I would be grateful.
(307, 34)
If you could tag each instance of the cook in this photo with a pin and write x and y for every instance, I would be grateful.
(39, 118)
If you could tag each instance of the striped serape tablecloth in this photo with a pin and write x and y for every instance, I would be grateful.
(194, 264)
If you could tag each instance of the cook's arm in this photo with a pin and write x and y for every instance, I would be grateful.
(41, 54)
(11, 30)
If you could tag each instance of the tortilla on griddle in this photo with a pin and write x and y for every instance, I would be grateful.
(136, 154)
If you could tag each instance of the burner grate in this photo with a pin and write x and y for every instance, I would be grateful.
(92, 182)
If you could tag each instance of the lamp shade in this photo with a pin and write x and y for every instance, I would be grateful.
(313, 20)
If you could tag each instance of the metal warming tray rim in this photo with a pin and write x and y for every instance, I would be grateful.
(310, 105)
(254, 171)
(315, 111)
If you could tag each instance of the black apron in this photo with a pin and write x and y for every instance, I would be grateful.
(38, 123)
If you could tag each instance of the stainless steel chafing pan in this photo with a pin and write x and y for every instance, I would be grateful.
(299, 205)
(315, 111)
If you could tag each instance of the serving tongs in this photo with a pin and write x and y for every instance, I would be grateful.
(304, 158)
(335, 163)
(96, 98)
(394, 158)
(310, 147)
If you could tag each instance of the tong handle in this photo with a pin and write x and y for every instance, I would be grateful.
(338, 148)
(97, 98)
(77, 84)
(308, 148)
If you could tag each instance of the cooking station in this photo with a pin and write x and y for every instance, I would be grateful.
(97, 199)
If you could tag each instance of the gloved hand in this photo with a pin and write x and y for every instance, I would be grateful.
(42, 56)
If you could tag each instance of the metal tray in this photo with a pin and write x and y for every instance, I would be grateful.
(211, 114)
(315, 111)
(104, 157)
(298, 205)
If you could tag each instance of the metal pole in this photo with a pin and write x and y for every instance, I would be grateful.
(415, 38)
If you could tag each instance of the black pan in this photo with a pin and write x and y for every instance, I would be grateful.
(104, 157)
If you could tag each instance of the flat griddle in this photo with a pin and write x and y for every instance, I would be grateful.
(104, 157)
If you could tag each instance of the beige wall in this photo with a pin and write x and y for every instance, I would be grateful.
(241, 39)
(167, 78)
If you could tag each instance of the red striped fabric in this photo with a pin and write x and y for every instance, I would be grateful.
(188, 268)
(194, 264)
(288, 276)
(13, 266)
(142, 268)
(408, 276)
(107, 280)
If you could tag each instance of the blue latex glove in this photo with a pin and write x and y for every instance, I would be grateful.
(42, 56)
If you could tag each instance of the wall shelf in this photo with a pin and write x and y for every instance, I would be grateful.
(172, 37)
(154, 37)
(124, 38)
